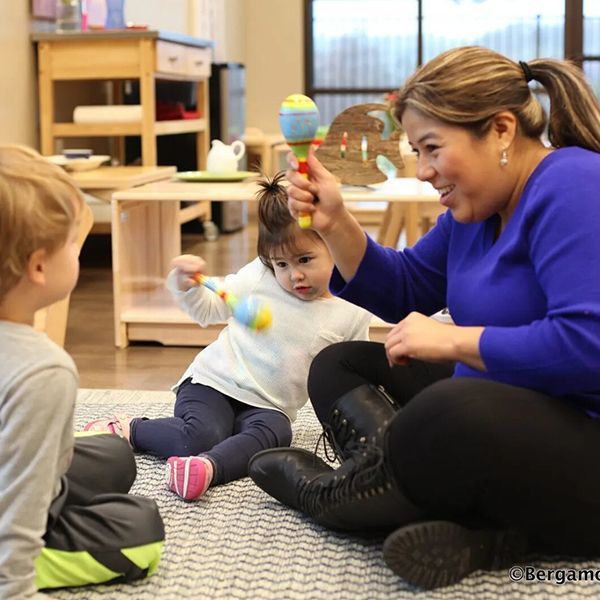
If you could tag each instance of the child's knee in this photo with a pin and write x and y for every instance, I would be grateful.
(194, 442)
(279, 428)
(285, 437)
(108, 453)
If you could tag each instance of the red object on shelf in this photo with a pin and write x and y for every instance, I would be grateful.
(171, 111)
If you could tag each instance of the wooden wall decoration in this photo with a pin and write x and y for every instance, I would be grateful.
(349, 166)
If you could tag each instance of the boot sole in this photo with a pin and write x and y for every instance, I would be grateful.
(434, 554)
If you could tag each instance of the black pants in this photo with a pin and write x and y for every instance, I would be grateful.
(97, 532)
(474, 450)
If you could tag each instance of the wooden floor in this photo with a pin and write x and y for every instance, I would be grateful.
(142, 366)
(90, 332)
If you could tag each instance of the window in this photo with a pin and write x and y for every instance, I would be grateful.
(591, 43)
(358, 50)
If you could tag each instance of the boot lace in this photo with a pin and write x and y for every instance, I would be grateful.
(368, 476)
(337, 436)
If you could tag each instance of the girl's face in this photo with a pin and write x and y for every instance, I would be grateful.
(465, 170)
(305, 271)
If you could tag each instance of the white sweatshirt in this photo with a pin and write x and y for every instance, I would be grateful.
(266, 368)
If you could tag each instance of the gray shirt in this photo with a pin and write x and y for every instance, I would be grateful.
(38, 387)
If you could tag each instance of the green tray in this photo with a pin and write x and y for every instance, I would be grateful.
(210, 176)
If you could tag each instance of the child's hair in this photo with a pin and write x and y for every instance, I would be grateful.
(277, 229)
(38, 204)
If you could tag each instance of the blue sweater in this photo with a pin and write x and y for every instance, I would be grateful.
(536, 289)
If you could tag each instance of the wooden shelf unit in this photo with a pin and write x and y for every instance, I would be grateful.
(117, 56)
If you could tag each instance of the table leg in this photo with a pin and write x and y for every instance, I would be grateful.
(391, 227)
(411, 223)
(145, 237)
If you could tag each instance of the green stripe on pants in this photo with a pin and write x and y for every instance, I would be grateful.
(60, 568)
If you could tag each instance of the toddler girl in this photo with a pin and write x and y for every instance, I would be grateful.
(241, 392)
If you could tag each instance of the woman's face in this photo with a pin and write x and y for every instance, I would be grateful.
(464, 169)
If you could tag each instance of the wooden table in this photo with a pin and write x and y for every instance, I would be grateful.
(408, 201)
(146, 236)
(104, 181)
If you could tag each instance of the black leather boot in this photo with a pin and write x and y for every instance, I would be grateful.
(282, 471)
(359, 417)
(361, 495)
(358, 496)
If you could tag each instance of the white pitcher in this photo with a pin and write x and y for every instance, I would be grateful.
(223, 158)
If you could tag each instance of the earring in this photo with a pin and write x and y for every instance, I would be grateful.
(503, 158)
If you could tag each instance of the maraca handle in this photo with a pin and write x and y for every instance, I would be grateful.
(304, 219)
(303, 168)
(212, 285)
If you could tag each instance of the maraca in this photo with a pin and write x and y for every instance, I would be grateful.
(248, 311)
(299, 121)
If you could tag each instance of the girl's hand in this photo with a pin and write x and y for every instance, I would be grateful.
(424, 338)
(318, 196)
(187, 265)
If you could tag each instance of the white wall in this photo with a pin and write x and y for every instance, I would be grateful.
(235, 34)
(18, 116)
(170, 15)
(274, 58)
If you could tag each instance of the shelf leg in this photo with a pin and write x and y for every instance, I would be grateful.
(148, 101)
(46, 98)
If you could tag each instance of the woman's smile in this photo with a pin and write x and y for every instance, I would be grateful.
(446, 194)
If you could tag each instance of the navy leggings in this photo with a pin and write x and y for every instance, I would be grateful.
(211, 424)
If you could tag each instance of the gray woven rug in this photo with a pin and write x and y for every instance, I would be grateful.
(236, 542)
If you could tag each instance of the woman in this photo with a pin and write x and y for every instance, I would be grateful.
(497, 430)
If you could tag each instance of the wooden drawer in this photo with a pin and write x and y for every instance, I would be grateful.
(171, 58)
(90, 59)
(182, 61)
(198, 62)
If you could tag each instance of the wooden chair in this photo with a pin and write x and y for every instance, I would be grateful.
(416, 219)
(264, 150)
(53, 319)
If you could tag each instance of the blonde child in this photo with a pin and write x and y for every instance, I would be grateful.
(241, 393)
(64, 512)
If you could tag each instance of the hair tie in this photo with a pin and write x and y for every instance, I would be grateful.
(526, 71)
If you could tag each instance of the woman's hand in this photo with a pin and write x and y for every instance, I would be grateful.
(187, 265)
(426, 339)
(318, 196)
